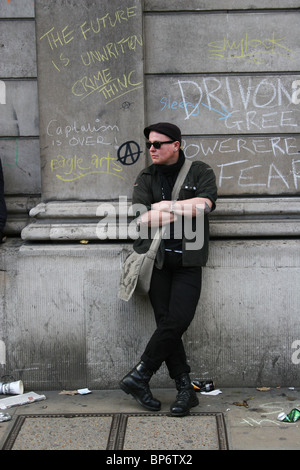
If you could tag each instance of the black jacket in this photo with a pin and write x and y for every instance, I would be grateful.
(200, 182)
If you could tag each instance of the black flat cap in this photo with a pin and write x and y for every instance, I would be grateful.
(165, 128)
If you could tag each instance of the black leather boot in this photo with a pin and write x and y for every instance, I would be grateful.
(186, 397)
(136, 383)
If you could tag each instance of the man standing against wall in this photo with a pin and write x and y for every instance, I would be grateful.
(176, 279)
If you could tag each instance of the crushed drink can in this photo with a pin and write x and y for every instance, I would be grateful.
(201, 385)
(291, 417)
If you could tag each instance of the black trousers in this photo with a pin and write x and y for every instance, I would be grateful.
(174, 295)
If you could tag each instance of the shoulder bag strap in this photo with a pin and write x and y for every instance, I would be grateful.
(180, 178)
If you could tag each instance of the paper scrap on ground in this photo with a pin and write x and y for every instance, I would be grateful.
(213, 392)
(23, 399)
(83, 391)
(80, 391)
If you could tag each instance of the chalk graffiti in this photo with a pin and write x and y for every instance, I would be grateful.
(276, 146)
(110, 88)
(64, 62)
(267, 93)
(76, 167)
(129, 153)
(111, 50)
(258, 422)
(56, 38)
(253, 50)
(242, 104)
(86, 134)
(59, 38)
(126, 105)
(249, 161)
(195, 109)
(107, 21)
(275, 407)
(102, 82)
(246, 176)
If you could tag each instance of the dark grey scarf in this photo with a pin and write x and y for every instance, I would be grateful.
(168, 175)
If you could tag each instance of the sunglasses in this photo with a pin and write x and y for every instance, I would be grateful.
(158, 144)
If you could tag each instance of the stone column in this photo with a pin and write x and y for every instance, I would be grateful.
(91, 112)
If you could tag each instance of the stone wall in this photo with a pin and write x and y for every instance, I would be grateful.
(224, 72)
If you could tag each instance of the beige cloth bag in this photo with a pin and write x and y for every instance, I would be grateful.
(137, 268)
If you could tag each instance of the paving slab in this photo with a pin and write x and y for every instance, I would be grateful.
(249, 417)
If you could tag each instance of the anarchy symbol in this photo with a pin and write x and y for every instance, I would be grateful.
(129, 153)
